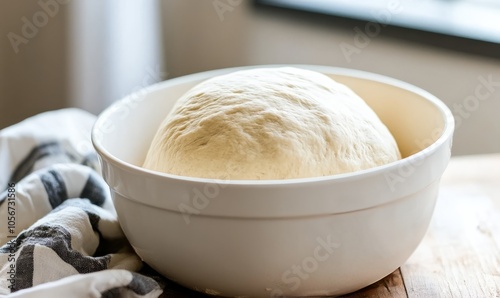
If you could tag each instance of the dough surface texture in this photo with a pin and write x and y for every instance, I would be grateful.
(270, 123)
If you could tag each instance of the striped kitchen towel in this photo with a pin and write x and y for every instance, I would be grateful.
(59, 234)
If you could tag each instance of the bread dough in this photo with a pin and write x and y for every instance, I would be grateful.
(270, 123)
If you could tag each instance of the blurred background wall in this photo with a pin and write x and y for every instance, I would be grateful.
(94, 52)
(33, 68)
(74, 53)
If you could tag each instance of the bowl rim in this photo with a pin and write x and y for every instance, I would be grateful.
(447, 132)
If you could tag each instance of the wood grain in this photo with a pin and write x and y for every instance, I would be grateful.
(391, 286)
(460, 255)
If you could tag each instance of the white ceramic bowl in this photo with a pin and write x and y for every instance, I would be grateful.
(301, 237)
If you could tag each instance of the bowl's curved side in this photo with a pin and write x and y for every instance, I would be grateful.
(297, 256)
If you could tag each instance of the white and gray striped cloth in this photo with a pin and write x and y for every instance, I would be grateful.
(59, 234)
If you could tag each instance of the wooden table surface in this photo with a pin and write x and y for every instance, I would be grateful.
(460, 254)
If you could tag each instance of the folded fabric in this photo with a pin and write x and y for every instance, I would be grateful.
(59, 233)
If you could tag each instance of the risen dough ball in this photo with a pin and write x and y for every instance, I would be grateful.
(270, 123)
